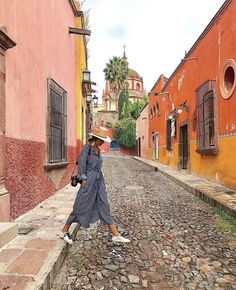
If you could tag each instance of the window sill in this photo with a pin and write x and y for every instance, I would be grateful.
(208, 151)
(51, 166)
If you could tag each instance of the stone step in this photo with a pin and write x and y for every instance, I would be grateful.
(8, 231)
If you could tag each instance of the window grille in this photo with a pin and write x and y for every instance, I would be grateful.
(57, 122)
(207, 141)
(168, 134)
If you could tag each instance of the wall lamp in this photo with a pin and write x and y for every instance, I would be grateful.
(183, 106)
(173, 114)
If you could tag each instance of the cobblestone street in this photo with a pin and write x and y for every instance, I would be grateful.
(175, 241)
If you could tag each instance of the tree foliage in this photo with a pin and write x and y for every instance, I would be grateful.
(125, 132)
(136, 107)
(126, 110)
(116, 73)
(125, 128)
(123, 99)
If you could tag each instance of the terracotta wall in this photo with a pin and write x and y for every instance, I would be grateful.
(205, 61)
(129, 152)
(156, 121)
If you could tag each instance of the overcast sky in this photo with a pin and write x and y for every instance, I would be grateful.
(156, 34)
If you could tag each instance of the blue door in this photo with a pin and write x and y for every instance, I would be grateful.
(114, 144)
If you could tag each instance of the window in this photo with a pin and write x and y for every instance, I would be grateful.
(228, 80)
(207, 142)
(56, 122)
(154, 111)
(158, 109)
(137, 86)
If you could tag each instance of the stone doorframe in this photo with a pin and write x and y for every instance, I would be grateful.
(5, 43)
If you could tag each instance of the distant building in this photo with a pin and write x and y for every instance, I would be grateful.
(108, 112)
(135, 89)
(142, 124)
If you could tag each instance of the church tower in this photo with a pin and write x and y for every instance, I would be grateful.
(107, 113)
(134, 85)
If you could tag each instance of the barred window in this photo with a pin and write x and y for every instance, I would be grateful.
(168, 134)
(57, 122)
(207, 141)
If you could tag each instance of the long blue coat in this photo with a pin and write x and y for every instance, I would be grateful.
(91, 203)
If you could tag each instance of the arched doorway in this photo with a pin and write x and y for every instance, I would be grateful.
(114, 145)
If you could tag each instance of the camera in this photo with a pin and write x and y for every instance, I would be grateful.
(74, 180)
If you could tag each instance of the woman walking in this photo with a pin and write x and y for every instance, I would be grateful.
(91, 203)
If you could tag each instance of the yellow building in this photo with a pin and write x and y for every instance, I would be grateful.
(81, 65)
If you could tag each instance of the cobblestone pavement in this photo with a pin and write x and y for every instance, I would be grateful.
(175, 240)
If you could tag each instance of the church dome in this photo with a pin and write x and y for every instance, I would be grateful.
(133, 74)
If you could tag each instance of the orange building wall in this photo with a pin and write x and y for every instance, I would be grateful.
(156, 123)
(205, 61)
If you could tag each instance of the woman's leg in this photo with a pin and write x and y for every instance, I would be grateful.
(66, 228)
(116, 236)
(113, 230)
(65, 233)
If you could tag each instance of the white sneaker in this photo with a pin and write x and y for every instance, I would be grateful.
(120, 239)
(67, 238)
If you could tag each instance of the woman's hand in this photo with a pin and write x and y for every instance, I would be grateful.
(84, 182)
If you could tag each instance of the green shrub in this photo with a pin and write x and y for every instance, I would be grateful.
(125, 132)
(122, 103)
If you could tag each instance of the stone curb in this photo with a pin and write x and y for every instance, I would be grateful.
(8, 231)
(51, 267)
(45, 222)
(207, 194)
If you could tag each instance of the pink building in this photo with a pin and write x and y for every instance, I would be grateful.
(142, 124)
(37, 95)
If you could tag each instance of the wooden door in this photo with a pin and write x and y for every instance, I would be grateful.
(183, 146)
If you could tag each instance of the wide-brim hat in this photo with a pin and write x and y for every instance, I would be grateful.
(101, 133)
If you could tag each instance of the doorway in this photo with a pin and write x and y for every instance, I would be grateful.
(138, 147)
(155, 149)
(183, 146)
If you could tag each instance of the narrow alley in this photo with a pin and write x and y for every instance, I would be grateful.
(175, 240)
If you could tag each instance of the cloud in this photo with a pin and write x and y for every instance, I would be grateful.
(157, 33)
(116, 32)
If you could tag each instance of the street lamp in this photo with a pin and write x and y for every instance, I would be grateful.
(86, 76)
(89, 98)
(95, 100)
(86, 83)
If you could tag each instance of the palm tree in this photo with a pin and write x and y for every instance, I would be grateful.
(116, 73)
